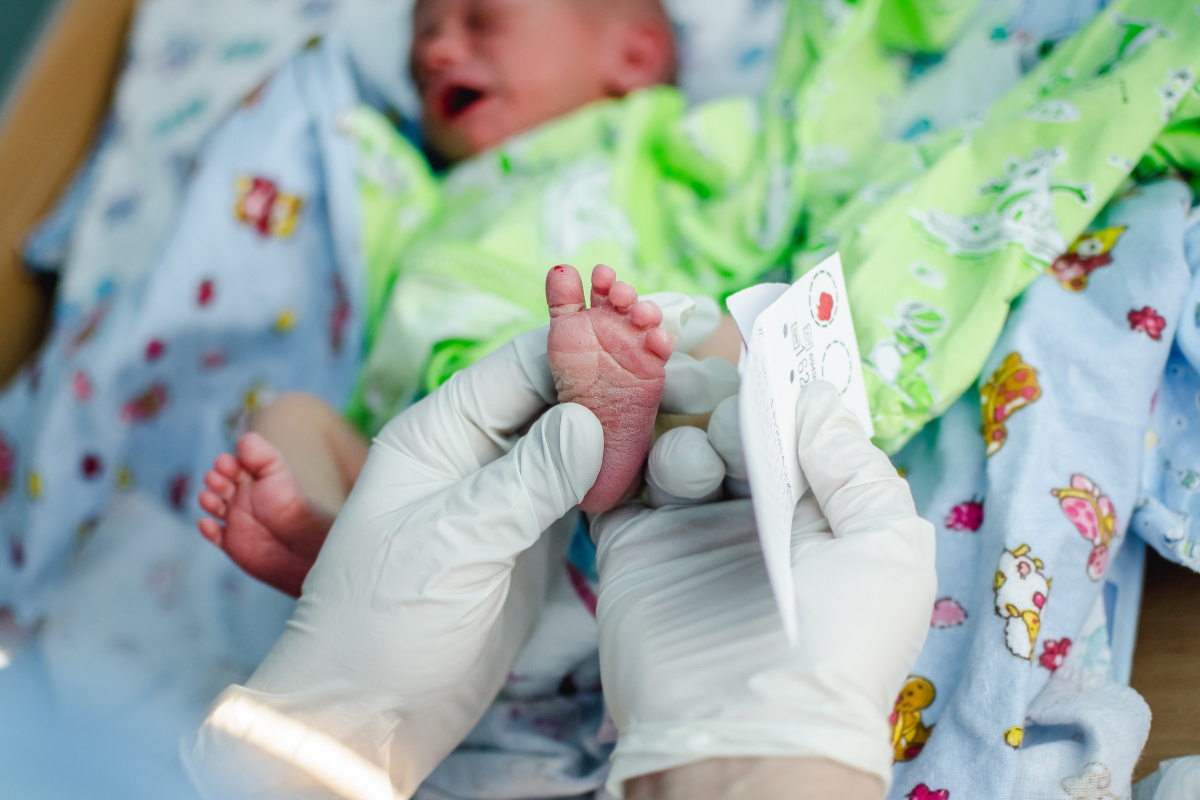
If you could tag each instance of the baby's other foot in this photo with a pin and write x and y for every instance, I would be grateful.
(262, 520)
(611, 359)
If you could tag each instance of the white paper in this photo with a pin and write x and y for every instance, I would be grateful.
(793, 336)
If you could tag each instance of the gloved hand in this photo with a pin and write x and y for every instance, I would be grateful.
(429, 583)
(424, 592)
(694, 658)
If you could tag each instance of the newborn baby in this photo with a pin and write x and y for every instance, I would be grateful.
(485, 71)
(609, 358)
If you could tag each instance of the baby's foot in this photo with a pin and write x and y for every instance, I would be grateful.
(263, 522)
(609, 358)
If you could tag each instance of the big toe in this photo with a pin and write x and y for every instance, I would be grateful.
(564, 290)
(258, 456)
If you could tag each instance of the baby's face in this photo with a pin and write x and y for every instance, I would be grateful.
(488, 69)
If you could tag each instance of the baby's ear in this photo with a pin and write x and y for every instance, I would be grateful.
(642, 54)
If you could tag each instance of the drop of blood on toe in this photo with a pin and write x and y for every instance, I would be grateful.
(825, 307)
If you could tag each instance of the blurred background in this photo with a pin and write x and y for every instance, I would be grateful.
(20, 21)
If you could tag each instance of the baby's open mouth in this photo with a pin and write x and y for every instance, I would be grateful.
(457, 99)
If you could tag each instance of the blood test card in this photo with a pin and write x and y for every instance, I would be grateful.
(792, 335)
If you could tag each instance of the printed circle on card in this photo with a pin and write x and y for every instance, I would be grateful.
(823, 300)
(835, 365)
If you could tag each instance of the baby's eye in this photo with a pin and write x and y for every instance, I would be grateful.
(480, 18)
(425, 31)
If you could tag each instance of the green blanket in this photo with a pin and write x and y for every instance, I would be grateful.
(937, 236)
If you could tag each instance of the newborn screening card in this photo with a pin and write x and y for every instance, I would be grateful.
(792, 336)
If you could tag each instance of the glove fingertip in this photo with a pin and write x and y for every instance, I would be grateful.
(579, 438)
(684, 465)
(725, 436)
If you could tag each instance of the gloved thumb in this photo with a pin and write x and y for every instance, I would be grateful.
(477, 527)
(559, 460)
(546, 474)
(683, 468)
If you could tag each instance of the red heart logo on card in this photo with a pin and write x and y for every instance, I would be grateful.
(825, 307)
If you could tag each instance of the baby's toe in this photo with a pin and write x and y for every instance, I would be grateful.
(258, 455)
(622, 296)
(660, 342)
(564, 290)
(219, 484)
(214, 504)
(228, 466)
(603, 277)
(211, 529)
(645, 314)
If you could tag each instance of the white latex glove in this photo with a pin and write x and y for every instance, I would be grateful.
(694, 658)
(430, 582)
(424, 593)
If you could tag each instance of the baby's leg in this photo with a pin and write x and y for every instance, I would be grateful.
(274, 502)
(609, 358)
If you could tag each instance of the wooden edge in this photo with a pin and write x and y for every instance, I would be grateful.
(46, 129)
(1166, 661)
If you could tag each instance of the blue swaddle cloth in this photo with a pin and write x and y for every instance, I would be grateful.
(1012, 695)
(1167, 515)
(259, 291)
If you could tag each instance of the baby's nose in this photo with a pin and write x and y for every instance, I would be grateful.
(437, 51)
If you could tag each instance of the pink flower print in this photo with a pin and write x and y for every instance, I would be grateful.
(1148, 321)
(947, 613)
(966, 516)
(1054, 652)
(145, 406)
(206, 292)
(155, 349)
(81, 386)
(923, 792)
